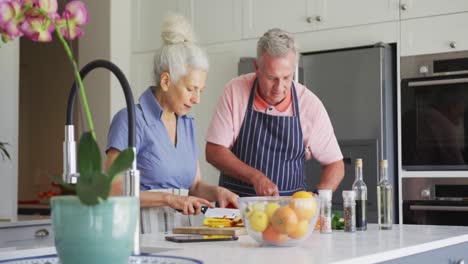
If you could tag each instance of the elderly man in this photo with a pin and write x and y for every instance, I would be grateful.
(266, 125)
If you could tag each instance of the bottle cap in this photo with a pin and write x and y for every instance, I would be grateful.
(383, 163)
(348, 195)
(358, 162)
(325, 194)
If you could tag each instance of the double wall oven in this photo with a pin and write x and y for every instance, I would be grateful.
(434, 138)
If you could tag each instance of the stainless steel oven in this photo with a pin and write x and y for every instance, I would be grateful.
(435, 201)
(434, 112)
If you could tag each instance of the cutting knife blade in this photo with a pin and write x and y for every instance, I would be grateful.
(220, 212)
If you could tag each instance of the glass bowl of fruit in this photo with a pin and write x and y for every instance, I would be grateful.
(280, 220)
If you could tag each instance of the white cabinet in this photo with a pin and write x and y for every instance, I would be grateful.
(422, 8)
(215, 20)
(434, 34)
(147, 19)
(338, 13)
(260, 15)
(309, 15)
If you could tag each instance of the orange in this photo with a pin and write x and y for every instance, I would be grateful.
(271, 236)
(301, 229)
(303, 204)
(284, 220)
(270, 208)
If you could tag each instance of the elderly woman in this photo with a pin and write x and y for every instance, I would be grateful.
(167, 154)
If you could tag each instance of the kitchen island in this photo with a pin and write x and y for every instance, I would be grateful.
(402, 244)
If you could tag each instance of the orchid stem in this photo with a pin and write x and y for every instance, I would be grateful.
(80, 82)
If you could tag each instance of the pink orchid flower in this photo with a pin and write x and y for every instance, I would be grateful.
(74, 16)
(41, 8)
(48, 6)
(10, 19)
(38, 28)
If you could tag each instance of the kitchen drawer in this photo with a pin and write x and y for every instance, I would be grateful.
(422, 8)
(20, 233)
(434, 34)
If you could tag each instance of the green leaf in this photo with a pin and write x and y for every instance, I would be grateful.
(121, 163)
(60, 181)
(89, 156)
(92, 187)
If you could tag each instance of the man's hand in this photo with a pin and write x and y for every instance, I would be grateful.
(264, 186)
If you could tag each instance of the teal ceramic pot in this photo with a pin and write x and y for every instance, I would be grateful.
(94, 234)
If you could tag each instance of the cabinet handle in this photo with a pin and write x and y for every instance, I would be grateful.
(310, 20)
(319, 18)
(41, 233)
(404, 7)
(453, 44)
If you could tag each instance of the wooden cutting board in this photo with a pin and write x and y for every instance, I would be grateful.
(205, 230)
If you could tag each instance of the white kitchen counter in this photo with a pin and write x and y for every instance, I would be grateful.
(360, 247)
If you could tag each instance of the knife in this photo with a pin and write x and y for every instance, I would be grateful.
(220, 212)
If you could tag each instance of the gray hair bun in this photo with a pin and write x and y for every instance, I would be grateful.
(176, 30)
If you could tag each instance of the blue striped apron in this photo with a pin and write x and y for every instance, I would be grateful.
(273, 145)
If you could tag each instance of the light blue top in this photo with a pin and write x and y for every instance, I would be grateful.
(162, 165)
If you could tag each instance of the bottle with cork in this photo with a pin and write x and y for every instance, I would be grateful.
(360, 190)
(384, 198)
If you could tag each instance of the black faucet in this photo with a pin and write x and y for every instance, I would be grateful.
(131, 178)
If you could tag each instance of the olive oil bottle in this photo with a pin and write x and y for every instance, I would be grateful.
(384, 198)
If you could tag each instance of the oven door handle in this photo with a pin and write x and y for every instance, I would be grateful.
(437, 82)
(438, 208)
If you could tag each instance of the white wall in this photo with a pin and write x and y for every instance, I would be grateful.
(107, 36)
(9, 101)
(120, 45)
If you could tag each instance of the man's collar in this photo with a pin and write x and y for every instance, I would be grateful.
(261, 105)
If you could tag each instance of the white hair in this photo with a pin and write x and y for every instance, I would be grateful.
(277, 43)
(179, 51)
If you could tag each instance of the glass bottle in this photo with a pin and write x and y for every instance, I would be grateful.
(349, 211)
(360, 190)
(325, 211)
(384, 198)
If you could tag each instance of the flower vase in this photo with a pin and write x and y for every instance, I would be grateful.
(102, 233)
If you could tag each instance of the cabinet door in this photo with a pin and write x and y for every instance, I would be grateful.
(262, 15)
(309, 15)
(421, 8)
(215, 20)
(147, 19)
(434, 34)
(338, 13)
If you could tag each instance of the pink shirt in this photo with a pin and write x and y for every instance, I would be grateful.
(319, 139)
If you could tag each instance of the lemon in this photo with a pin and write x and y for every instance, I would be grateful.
(258, 221)
(248, 211)
(258, 207)
(270, 208)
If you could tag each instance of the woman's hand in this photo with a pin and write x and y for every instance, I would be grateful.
(188, 204)
(225, 197)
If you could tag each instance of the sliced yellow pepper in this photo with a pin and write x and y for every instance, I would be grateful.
(217, 222)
